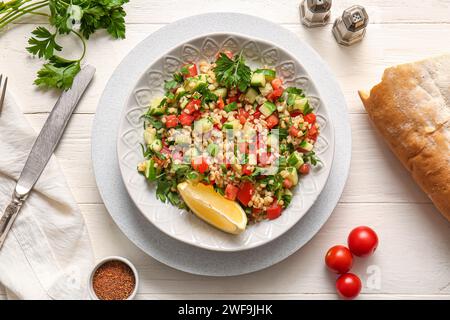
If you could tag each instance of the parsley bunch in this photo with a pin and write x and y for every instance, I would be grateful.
(233, 72)
(78, 17)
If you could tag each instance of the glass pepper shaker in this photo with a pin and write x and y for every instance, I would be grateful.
(351, 26)
(315, 13)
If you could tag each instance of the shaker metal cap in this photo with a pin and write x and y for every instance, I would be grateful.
(351, 26)
(315, 13)
(355, 18)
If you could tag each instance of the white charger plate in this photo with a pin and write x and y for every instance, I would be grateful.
(182, 224)
(106, 168)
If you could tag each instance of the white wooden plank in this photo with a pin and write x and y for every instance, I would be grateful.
(281, 11)
(414, 241)
(375, 176)
(357, 67)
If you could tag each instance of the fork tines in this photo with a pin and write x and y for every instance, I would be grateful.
(2, 91)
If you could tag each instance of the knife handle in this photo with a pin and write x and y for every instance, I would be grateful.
(8, 218)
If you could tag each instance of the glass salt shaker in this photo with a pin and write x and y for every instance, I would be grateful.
(351, 26)
(315, 13)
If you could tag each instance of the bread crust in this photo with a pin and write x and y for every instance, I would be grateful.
(411, 110)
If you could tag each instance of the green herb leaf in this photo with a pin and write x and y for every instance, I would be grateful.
(311, 158)
(169, 85)
(233, 73)
(56, 74)
(43, 43)
(294, 90)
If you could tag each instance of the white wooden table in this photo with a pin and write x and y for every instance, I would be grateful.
(414, 253)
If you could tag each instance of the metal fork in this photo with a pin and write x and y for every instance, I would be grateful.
(2, 91)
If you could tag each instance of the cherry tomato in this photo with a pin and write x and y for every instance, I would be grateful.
(199, 164)
(362, 241)
(304, 168)
(293, 131)
(220, 103)
(275, 94)
(192, 70)
(192, 106)
(276, 83)
(246, 192)
(243, 116)
(245, 170)
(171, 121)
(312, 133)
(185, 119)
(348, 285)
(287, 183)
(310, 118)
(272, 121)
(274, 211)
(231, 192)
(339, 259)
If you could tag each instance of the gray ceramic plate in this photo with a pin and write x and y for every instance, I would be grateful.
(181, 224)
(143, 233)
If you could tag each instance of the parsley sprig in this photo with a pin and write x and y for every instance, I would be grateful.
(80, 18)
(233, 72)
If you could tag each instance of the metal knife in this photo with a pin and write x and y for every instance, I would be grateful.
(44, 146)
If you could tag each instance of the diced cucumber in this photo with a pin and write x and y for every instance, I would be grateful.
(267, 108)
(231, 124)
(272, 140)
(292, 175)
(306, 146)
(230, 107)
(149, 135)
(268, 73)
(251, 95)
(212, 149)
(295, 159)
(203, 125)
(258, 80)
(299, 104)
(221, 92)
(150, 170)
(191, 84)
(266, 90)
(182, 139)
(155, 107)
(156, 145)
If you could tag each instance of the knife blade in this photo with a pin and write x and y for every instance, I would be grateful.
(44, 146)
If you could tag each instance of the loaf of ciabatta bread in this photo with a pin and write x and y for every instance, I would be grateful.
(411, 110)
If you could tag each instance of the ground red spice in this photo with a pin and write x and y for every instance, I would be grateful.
(114, 280)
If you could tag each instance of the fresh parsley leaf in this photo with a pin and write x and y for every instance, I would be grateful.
(162, 189)
(230, 107)
(233, 73)
(206, 94)
(43, 43)
(178, 77)
(308, 108)
(57, 74)
(169, 85)
(311, 158)
(294, 90)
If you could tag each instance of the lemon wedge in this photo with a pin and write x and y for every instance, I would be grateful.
(213, 208)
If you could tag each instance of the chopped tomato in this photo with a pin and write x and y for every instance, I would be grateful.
(256, 210)
(287, 183)
(231, 192)
(243, 116)
(185, 119)
(192, 70)
(276, 83)
(274, 211)
(246, 170)
(246, 192)
(228, 53)
(275, 94)
(310, 118)
(295, 113)
(220, 103)
(312, 133)
(232, 99)
(171, 121)
(272, 121)
(304, 168)
(293, 131)
(197, 115)
(257, 115)
(199, 164)
(242, 147)
(192, 106)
